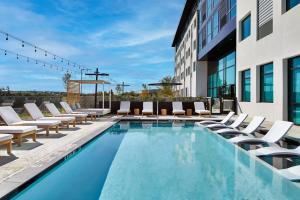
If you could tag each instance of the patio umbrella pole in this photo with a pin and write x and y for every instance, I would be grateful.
(157, 109)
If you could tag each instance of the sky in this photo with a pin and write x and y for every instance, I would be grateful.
(129, 39)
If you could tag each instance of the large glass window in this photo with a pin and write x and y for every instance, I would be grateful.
(246, 27)
(266, 83)
(208, 7)
(291, 3)
(232, 11)
(246, 84)
(215, 24)
(222, 78)
(294, 89)
(209, 31)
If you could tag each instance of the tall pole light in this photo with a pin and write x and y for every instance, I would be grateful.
(97, 74)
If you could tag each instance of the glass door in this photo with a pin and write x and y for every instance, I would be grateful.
(294, 90)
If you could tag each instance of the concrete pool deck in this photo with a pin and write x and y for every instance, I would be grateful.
(32, 158)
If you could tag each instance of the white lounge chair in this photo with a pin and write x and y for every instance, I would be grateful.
(69, 110)
(276, 150)
(55, 113)
(251, 128)
(124, 108)
(5, 139)
(277, 131)
(99, 111)
(224, 121)
(292, 173)
(147, 108)
(36, 114)
(11, 118)
(177, 108)
(19, 132)
(239, 120)
(200, 109)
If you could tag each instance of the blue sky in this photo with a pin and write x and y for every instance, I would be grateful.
(129, 39)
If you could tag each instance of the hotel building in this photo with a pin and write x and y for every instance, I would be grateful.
(213, 59)
(268, 58)
(248, 51)
(185, 43)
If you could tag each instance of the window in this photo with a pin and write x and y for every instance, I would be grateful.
(246, 27)
(195, 44)
(232, 11)
(195, 23)
(208, 7)
(294, 89)
(291, 3)
(246, 82)
(266, 83)
(203, 37)
(208, 31)
(203, 12)
(215, 2)
(221, 78)
(215, 23)
(194, 66)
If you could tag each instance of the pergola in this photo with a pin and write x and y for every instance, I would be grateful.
(74, 91)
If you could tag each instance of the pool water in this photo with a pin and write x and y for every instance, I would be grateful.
(143, 160)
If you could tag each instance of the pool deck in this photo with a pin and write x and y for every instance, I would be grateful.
(32, 158)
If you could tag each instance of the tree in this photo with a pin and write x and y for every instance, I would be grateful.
(66, 78)
(167, 90)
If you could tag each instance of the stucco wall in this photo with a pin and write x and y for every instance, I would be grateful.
(283, 43)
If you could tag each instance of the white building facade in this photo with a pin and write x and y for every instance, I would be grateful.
(186, 45)
(268, 58)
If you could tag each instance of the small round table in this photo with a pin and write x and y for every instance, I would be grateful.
(136, 111)
(189, 112)
(164, 112)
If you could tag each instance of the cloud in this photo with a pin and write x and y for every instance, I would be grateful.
(129, 39)
(128, 36)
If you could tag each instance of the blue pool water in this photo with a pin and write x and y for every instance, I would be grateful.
(160, 161)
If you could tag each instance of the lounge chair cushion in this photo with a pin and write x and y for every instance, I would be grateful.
(63, 119)
(33, 110)
(202, 111)
(5, 137)
(39, 123)
(69, 110)
(200, 108)
(17, 129)
(9, 115)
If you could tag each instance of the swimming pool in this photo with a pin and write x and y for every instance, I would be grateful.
(149, 160)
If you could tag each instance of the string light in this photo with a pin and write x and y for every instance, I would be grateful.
(36, 48)
(28, 59)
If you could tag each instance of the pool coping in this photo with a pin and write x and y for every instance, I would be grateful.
(19, 181)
